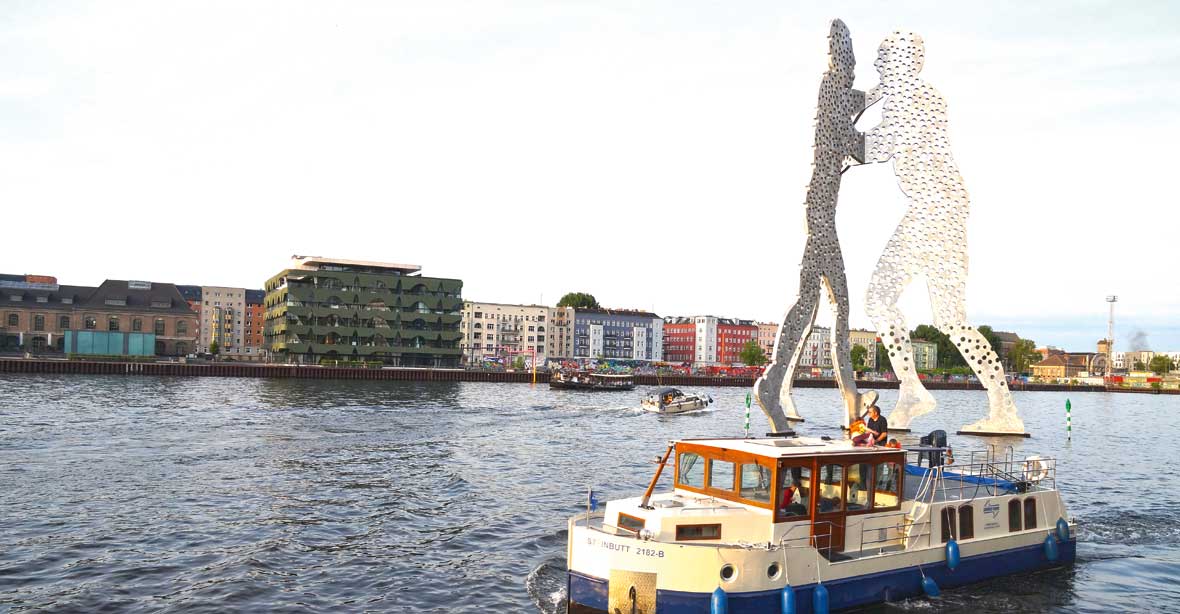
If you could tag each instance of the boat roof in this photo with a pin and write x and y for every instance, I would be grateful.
(782, 447)
(663, 391)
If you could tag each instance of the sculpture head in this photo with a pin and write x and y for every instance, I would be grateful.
(841, 60)
(900, 55)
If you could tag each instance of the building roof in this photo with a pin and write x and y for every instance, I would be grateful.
(138, 296)
(1006, 337)
(1054, 360)
(315, 263)
(190, 293)
(61, 297)
(618, 312)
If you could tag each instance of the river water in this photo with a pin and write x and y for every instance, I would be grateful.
(247, 495)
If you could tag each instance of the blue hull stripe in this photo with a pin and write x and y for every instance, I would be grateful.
(892, 585)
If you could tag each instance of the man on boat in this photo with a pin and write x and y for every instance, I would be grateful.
(877, 426)
(837, 143)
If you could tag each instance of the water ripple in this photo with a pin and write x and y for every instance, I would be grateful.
(170, 494)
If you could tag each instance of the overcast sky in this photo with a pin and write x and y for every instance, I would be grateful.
(654, 154)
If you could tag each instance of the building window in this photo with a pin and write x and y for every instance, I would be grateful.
(13, 319)
(159, 329)
(113, 323)
(182, 328)
(63, 322)
(136, 324)
(38, 322)
(91, 322)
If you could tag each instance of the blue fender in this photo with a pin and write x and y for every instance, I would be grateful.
(1062, 530)
(952, 554)
(930, 587)
(1051, 548)
(719, 604)
(819, 600)
(789, 606)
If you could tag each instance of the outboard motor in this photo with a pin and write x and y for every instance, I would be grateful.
(936, 439)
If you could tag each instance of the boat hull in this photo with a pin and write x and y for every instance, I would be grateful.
(556, 385)
(588, 594)
(676, 408)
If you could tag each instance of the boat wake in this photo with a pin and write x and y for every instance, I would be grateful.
(546, 586)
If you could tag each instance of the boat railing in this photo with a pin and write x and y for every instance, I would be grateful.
(984, 473)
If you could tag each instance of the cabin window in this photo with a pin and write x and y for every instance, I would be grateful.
(691, 470)
(721, 474)
(885, 492)
(689, 532)
(831, 481)
(630, 523)
(755, 484)
(859, 480)
(1013, 515)
(966, 522)
(1030, 513)
(796, 492)
(948, 524)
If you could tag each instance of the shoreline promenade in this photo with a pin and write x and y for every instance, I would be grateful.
(227, 369)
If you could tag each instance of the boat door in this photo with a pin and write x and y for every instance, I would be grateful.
(827, 524)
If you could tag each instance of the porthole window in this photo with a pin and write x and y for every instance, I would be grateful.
(773, 571)
(728, 573)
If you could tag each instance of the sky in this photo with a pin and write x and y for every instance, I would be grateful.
(654, 154)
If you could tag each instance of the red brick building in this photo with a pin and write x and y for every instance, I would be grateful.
(732, 336)
(680, 339)
(255, 318)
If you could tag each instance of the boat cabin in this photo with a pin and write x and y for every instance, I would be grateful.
(775, 489)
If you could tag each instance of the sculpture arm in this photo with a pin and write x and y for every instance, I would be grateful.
(860, 101)
(867, 99)
(878, 143)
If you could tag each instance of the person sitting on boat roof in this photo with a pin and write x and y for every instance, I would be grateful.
(877, 425)
(861, 437)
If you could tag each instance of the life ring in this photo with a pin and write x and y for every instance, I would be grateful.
(1035, 469)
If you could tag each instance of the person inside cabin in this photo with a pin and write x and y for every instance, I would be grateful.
(794, 500)
(877, 425)
(893, 443)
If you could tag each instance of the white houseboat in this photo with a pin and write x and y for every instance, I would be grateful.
(802, 525)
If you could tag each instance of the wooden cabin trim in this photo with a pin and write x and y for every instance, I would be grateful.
(642, 522)
(778, 464)
(738, 458)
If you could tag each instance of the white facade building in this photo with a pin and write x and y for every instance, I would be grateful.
(706, 339)
(504, 331)
(223, 311)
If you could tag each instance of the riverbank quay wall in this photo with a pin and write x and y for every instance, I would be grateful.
(228, 369)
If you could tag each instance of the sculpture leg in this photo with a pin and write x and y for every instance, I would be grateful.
(773, 388)
(885, 287)
(950, 318)
(855, 403)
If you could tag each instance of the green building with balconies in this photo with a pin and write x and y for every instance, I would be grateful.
(324, 310)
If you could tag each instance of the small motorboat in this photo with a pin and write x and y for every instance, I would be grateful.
(673, 401)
